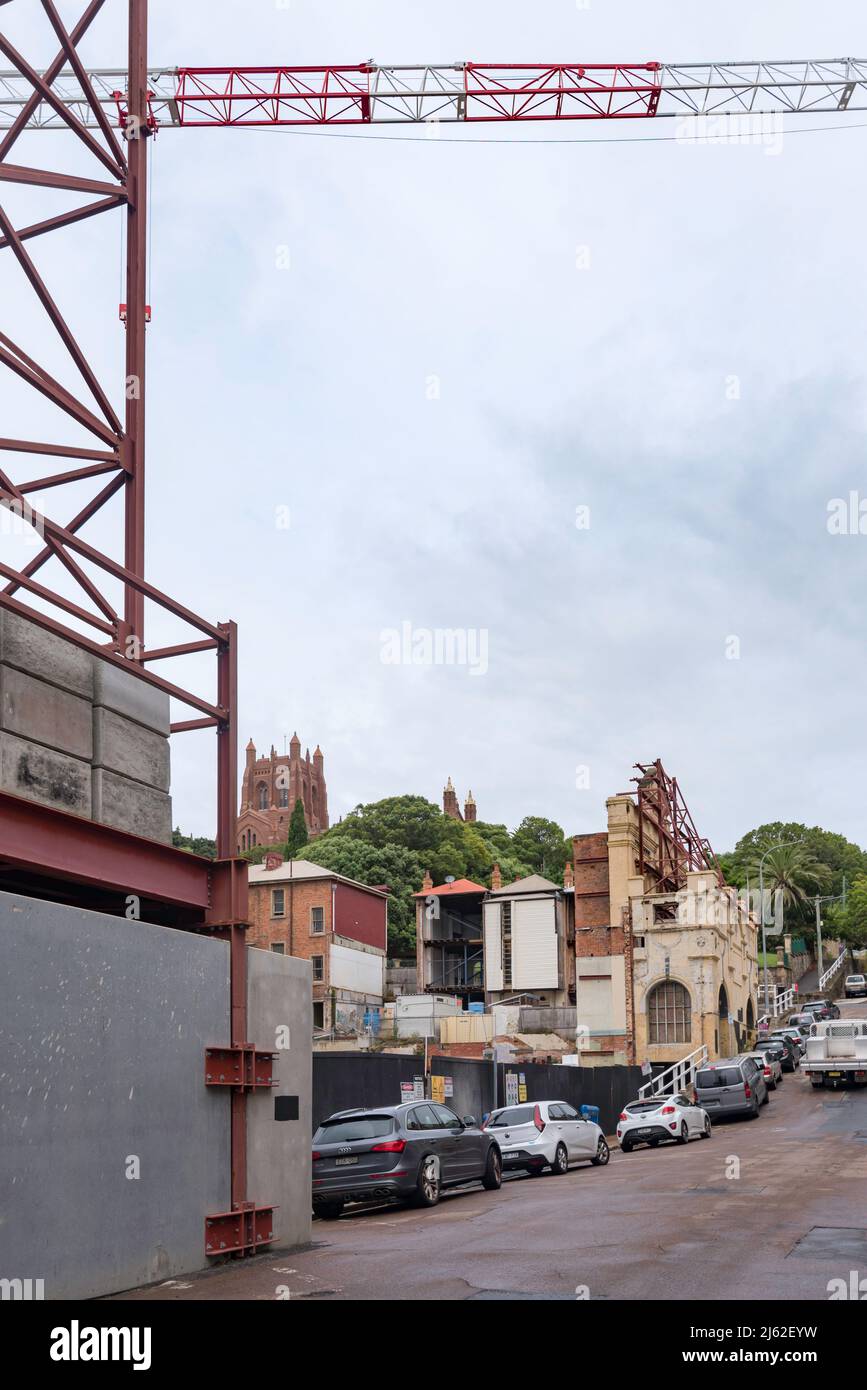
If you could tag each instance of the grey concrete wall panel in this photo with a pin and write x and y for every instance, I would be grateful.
(41, 774)
(280, 1005)
(36, 710)
(131, 806)
(121, 745)
(131, 697)
(103, 1027)
(40, 653)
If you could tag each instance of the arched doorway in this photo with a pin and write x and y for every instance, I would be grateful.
(725, 1044)
(751, 1023)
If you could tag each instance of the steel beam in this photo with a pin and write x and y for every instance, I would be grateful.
(466, 93)
(53, 843)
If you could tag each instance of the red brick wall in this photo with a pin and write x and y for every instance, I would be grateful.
(595, 933)
(293, 929)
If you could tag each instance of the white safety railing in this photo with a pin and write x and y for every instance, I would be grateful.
(784, 1001)
(832, 970)
(675, 1077)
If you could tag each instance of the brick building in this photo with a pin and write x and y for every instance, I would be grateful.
(340, 926)
(451, 806)
(270, 788)
(661, 968)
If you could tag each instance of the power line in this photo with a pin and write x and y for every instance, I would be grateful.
(482, 140)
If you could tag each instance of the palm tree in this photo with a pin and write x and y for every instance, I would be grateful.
(794, 870)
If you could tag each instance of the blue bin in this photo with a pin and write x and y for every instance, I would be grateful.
(590, 1112)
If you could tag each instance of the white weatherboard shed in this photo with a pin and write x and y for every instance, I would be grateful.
(522, 932)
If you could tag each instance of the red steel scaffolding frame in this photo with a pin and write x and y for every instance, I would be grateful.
(47, 846)
(679, 849)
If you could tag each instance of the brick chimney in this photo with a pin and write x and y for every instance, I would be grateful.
(427, 882)
(496, 878)
(568, 877)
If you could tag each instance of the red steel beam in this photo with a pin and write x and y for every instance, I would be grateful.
(137, 131)
(60, 845)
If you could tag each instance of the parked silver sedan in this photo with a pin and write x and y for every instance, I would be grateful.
(771, 1066)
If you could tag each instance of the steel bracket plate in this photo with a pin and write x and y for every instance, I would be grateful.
(240, 1232)
(240, 1066)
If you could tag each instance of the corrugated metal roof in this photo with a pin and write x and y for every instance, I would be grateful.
(460, 885)
(296, 870)
(533, 883)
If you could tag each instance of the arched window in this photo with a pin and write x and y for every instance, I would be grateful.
(283, 797)
(669, 1010)
(263, 796)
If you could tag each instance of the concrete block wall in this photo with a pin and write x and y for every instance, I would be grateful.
(81, 735)
(279, 1124)
(112, 1149)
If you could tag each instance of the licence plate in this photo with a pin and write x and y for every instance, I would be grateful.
(511, 1153)
(835, 1073)
(342, 1162)
(647, 1130)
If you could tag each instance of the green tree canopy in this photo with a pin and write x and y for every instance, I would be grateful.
(542, 844)
(818, 865)
(395, 840)
(194, 844)
(850, 920)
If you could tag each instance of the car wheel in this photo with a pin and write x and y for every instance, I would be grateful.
(683, 1137)
(625, 1146)
(561, 1160)
(754, 1114)
(427, 1186)
(492, 1178)
(329, 1211)
(705, 1134)
(767, 1097)
(602, 1154)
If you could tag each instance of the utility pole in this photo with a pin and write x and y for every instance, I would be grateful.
(778, 845)
(829, 898)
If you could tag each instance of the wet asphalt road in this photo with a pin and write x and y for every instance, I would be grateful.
(659, 1223)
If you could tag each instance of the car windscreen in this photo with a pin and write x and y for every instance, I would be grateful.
(515, 1115)
(345, 1130)
(718, 1076)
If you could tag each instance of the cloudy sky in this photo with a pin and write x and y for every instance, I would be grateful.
(442, 354)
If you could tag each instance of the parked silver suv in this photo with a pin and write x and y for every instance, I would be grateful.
(733, 1086)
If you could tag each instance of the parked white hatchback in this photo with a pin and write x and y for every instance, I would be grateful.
(546, 1134)
(659, 1119)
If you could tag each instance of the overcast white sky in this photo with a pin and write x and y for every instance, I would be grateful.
(599, 379)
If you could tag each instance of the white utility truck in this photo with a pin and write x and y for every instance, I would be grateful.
(837, 1052)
